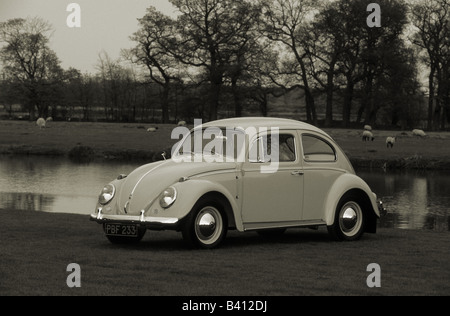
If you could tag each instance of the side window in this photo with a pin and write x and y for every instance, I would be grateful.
(262, 149)
(316, 149)
(287, 148)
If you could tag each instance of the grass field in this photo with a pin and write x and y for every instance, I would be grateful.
(108, 140)
(133, 142)
(38, 247)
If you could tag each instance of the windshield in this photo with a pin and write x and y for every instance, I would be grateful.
(225, 144)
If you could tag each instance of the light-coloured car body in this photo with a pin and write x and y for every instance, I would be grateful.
(305, 190)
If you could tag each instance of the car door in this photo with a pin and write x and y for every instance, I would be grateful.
(321, 169)
(272, 199)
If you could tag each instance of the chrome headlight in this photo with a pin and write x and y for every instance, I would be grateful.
(167, 197)
(107, 194)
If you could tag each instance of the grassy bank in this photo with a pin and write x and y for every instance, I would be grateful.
(126, 141)
(105, 140)
(38, 247)
(409, 152)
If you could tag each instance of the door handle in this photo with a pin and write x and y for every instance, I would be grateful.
(297, 173)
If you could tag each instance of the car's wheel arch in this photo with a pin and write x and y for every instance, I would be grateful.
(355, 187)
(194, 191)
(223, 203)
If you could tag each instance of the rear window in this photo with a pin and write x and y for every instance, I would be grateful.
(316, 149)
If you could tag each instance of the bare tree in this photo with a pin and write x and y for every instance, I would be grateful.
(246, 54)
(432, 20)
(286, 22)
(350, 62)
(80, 88)
(153, 51)
(117, 82)
(324, 44)
(28, 59)
(380, 46)
(210, 31)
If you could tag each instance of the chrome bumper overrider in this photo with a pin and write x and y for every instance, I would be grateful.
(381, 208)
(134, 219)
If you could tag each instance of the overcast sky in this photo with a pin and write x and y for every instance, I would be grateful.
(105, 26)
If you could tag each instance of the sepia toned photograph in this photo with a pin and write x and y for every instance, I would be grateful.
(233, 154)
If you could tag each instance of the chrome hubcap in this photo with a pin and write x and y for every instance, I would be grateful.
(350, 218)
(208, 225)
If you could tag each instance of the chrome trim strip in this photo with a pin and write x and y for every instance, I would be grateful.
(142, 177)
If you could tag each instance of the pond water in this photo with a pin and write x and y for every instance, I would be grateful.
(54, 184)
(415, 200)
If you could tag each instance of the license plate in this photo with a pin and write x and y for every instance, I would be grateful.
(121, 230)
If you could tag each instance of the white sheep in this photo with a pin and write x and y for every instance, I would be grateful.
(419, 132)
(152, 129)
(41, 122)
(182, 123)
(390, 141)
(49, 119)
(367, 128)
(367, 136)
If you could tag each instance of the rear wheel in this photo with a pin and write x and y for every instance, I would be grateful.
(206, 226)
(349, 219)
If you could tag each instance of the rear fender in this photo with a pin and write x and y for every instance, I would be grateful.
(348, 183)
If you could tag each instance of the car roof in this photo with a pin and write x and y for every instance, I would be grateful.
(261, 122)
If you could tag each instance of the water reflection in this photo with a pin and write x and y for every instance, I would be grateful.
(26, 201)
(47, 202)
(54, 184)
(414, 200)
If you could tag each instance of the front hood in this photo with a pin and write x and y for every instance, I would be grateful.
(145, 184)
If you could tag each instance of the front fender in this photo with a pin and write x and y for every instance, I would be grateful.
(343, 184)
(188, 193)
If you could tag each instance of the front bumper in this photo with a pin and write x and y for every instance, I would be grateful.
(150, 222)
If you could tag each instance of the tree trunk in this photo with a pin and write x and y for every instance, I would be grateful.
(165, 104)
(311, 115)
(310, 107)
(215, 96)
(431, 97)
(445, 118)
(263, 104)
(330, 90)
(237, 101)
(438, 111)
(367, 104)
(347, 105)
(329, 108)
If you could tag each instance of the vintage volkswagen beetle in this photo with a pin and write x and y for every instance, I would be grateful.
(248, 174)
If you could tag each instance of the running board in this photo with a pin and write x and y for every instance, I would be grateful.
(295, 224)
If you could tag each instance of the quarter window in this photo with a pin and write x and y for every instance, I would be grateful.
(316, 149)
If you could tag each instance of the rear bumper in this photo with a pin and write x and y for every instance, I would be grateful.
(150, 222)
(381, 208)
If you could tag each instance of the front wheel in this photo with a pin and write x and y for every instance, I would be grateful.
(206, 227)
(349, 220)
